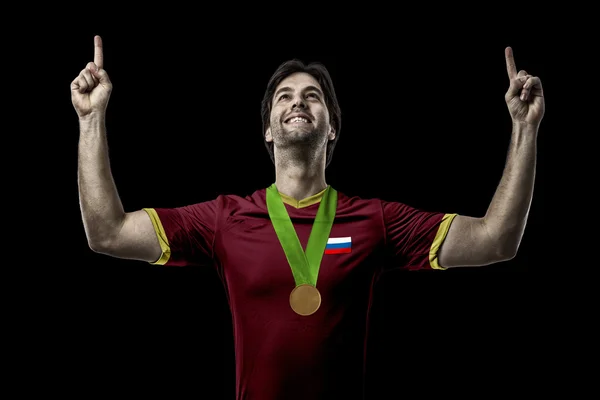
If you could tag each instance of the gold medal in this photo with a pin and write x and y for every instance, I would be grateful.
(305, 299)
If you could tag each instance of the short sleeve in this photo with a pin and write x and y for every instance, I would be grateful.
(413, 236)
(186, 234)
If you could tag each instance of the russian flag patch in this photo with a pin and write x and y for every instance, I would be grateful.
(338, 245)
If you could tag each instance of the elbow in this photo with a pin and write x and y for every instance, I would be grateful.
(101, 238)
(504, 242)
(100, 245)
(506, 250)
(507, 255)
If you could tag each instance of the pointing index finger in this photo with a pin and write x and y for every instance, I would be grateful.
(98, 54)
(511, 68)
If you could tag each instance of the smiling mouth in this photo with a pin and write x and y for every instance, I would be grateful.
(297, 120)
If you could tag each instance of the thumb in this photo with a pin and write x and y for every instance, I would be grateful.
(516, 85)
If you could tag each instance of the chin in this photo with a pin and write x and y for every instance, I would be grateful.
(302, 137)
(300, 129)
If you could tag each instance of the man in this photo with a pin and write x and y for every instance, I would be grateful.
(298, 260)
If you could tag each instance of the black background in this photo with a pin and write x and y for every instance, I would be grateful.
(423, 122)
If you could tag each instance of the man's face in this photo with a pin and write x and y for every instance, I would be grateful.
(299, 113)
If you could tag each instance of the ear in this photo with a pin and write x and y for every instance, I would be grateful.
(268, 136)
(331, 135)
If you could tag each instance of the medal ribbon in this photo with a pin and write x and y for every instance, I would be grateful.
(305, 266)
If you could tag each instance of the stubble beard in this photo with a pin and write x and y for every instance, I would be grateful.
(301, 138)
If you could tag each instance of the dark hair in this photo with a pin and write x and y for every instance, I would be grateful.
(321, 74)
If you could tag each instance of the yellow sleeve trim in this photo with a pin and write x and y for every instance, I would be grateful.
(439, 239)
(162, 237)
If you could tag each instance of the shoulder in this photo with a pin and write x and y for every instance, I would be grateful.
(358, 201)
(221, 203)
(355, 204)
(231, 203)
(389, 209)
(238, 201)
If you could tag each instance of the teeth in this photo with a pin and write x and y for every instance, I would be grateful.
(299, 119)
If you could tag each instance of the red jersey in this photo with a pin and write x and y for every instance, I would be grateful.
(280, 354)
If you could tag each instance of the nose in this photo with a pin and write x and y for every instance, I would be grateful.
(299, 102)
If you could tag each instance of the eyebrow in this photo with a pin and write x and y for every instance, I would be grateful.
(306, 89)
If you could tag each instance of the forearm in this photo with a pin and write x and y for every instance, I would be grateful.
(507, 214)
(101, 207)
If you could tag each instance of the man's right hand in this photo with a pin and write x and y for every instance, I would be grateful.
(91, 89)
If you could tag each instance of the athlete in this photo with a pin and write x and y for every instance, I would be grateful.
(298, 259)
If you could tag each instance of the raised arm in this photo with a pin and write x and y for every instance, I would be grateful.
(109, 229)
(496, 236)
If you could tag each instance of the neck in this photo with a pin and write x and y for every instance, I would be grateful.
(300, 178)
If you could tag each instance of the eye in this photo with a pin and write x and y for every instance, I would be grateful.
(283, 96)
(313, 95)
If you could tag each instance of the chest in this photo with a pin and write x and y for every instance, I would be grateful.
(254, 262)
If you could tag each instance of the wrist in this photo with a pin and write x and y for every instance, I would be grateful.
(93, 118)
(92, 124)
(525, 127)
